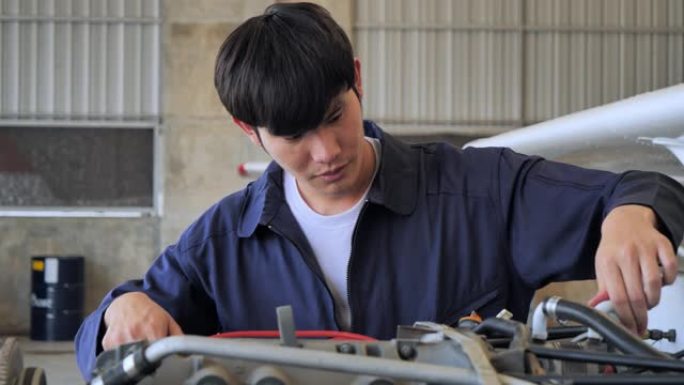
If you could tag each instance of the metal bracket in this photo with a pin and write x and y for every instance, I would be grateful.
(286, 327)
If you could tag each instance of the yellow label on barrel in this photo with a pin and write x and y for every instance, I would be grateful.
(38, 265)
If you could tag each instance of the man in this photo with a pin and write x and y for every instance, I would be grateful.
(359, 231)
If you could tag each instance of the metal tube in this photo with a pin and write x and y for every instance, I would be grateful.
(653, 113)
(313, 359)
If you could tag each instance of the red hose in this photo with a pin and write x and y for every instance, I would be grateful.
(332, 334)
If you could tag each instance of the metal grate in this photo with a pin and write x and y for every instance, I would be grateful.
(76, 167)
(481, 67)
(79, 107)
(79, 59)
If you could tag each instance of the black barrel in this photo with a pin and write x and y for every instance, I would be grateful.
(56, 297)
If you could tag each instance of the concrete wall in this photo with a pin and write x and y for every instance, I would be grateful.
(114, 250)
(201, 151)
(203, 147)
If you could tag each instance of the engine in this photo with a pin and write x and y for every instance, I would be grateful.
(593, 349)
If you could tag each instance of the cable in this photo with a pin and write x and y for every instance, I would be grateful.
(653, 379)
(678, 354)
(606, 358)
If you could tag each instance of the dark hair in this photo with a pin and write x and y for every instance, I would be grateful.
(282, 69)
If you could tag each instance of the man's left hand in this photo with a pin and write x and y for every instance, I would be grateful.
(633, 261)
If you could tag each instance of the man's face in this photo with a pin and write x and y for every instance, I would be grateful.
(331, 161)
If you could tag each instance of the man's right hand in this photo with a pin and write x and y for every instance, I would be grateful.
(134, 317)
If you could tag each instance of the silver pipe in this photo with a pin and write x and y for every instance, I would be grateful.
(313, 359)
(653, 113)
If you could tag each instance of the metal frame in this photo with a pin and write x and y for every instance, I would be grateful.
(92, 121)
(80, 19)
(514, 28)
(92, 212)
(69, 212)
(522, 29)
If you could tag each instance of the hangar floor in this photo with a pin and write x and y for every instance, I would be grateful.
(56, 358)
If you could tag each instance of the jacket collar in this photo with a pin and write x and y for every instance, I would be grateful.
(394, 187)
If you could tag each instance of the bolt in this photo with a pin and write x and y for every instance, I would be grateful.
(407, 352)
(346, 349)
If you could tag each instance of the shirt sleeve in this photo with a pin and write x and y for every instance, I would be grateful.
(553, 213)
(166, 283)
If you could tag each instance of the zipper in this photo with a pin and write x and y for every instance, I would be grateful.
(317, 273)
(349, 264)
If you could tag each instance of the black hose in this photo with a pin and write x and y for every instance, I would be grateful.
(555, 333)
(649, 379)
(678, 354)
(519, 333)
(499, 326)
(608, 358)
(499, 342)
(616, 334)
(129, 370)
(560, 332)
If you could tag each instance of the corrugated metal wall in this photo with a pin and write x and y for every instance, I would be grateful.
(79, 59)
(479, 67)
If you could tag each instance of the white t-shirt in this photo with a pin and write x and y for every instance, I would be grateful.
(330, 238)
